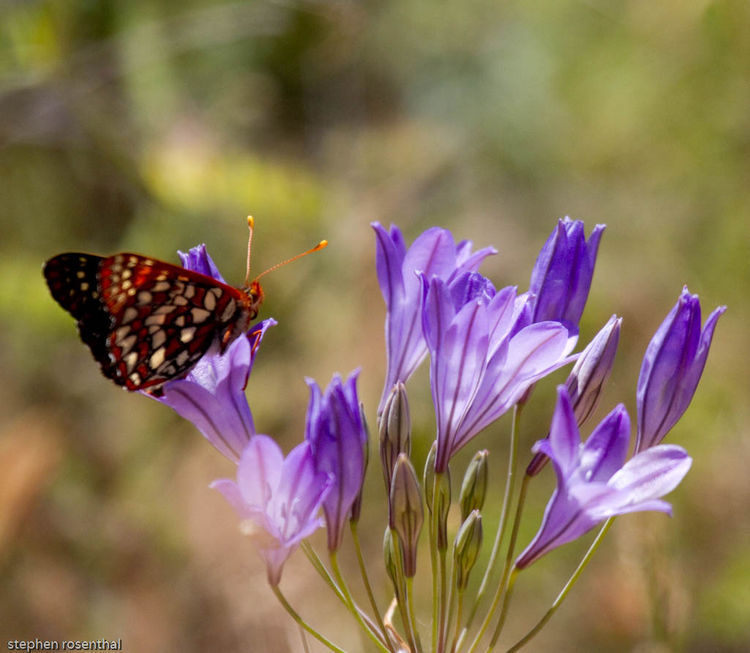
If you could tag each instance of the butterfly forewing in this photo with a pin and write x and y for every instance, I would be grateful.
(164, 318)
(146, 321)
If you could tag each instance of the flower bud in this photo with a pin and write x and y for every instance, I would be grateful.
(395, 431)
(671, 369)
(586, 380)
(466, 548)
(561, 278)
(474, 486)
(390, 551)
(406, 513)
(591, 371)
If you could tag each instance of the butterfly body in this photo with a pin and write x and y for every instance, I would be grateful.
(147, 321)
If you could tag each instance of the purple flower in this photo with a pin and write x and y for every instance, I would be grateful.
(280, 496)
(561, 278)
(338, 440)
(198, 260)
(483, 358)
(435, 254)
(593, 484)
(671, 368)
(212, 394)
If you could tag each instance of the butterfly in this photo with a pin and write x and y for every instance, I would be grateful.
(147, 321)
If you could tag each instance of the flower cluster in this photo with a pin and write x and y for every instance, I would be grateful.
(487, 349)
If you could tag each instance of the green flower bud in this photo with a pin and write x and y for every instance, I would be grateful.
(474, 486)
(390, 551)
(395, 431)
(406, 513)
(466, 548)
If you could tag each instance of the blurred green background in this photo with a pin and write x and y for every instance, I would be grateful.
(152, 126)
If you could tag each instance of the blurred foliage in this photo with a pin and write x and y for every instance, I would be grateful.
(152, 126)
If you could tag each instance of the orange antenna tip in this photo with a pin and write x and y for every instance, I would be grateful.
(250, 221)
(318, 247)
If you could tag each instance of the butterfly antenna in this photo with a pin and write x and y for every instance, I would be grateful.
(251, 227)
(321, 245)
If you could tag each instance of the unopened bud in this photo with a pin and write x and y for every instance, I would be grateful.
(395, 431)
(406, 513)
(390, 552)
(587, 379)
(466, 548)
(474, 486)
(592, 369)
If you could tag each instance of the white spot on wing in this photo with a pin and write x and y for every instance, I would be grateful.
(158, 339)
(157, 358)
(199, 315)
(130, 360)
(187, 334)
(129, 315)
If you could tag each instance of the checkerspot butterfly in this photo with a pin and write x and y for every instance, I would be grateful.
(146, 321)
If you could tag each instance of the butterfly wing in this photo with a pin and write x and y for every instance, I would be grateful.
(146, 321)
(73, 281)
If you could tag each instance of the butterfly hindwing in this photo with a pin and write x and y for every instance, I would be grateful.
(73, 281)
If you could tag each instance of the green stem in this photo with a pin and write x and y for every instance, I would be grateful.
(504, 609)
(434, 565)
(459, 618)
(368, 587)
(440, 581)
(303, 637)
(416, 643)
(443, 597)
(452, 591)
(502, 587)
(320, 567)
(368, 628)
(303, 623)
(568, 586)
(509, 487)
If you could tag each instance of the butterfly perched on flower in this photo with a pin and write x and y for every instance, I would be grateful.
(147, 321)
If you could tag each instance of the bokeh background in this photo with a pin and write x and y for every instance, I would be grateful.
(152, 126)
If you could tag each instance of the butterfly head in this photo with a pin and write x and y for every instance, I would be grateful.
(254, 293)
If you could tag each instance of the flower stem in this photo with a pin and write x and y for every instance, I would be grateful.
(303, 623)
(439, 552)
(503, 586)
(504, 609)
(366, 581)
(321, 569)
(459, 617)
(368, 628)
(568, 586)
(433, 567)
(416, 644)
(509, 487)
